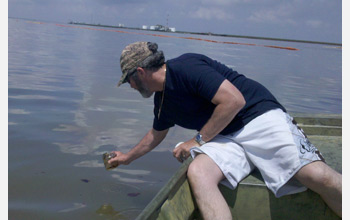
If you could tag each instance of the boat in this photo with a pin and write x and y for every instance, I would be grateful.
(251, 199)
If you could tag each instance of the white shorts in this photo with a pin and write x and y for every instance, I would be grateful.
(272, 143)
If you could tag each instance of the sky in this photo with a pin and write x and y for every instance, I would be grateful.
(315, 20)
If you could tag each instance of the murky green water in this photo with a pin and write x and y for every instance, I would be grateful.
(65, 112)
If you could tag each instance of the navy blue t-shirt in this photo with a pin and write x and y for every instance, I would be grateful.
(192, 80)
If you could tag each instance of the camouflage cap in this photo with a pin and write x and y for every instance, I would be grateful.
(131, 57)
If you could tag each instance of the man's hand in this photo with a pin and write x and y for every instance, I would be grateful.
(182, 151)
(119, 159)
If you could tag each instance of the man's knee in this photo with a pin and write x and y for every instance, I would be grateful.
(204, 170)
(195, 172)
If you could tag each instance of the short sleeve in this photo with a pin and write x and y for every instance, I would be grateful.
(204, 81)
(161, 125)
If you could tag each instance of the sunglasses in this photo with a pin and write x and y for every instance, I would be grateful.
(127, 78)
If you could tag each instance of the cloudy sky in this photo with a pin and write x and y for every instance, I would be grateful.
(317, 20)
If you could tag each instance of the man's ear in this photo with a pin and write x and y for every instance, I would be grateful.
(141, 72)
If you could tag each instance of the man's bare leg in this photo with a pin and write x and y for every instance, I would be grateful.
(204, 176)
(322, 179)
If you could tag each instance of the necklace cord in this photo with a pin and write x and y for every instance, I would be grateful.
(163, 94)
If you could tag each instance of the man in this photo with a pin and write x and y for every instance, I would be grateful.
(240, 126)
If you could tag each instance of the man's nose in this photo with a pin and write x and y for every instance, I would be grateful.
(132, 85)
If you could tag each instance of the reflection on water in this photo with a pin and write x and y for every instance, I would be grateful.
(65, 112)
(75, 207)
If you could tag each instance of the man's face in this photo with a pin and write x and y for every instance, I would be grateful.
(137, 84)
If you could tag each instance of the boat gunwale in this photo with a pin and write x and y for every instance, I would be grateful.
(171, 186)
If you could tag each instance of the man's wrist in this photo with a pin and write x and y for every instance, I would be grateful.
(127, 158)
(198, 139)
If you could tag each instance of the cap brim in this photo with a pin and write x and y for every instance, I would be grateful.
(122, 79)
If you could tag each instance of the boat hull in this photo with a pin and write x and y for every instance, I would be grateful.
(251, 199)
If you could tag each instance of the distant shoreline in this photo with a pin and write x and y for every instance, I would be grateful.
(212, 34)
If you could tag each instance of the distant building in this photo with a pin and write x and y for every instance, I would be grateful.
(120, 25)
(144, 27)
(159, 27)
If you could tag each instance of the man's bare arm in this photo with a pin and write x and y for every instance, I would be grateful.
(152, 139)
(229, 101)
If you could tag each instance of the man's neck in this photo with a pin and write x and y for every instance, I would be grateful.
(159, 77)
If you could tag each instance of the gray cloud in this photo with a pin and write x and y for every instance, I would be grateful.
(315, 23)
(212, 13)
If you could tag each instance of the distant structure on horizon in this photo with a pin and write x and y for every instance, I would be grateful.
(158, 27)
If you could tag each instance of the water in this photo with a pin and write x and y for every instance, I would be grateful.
(65, 112)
